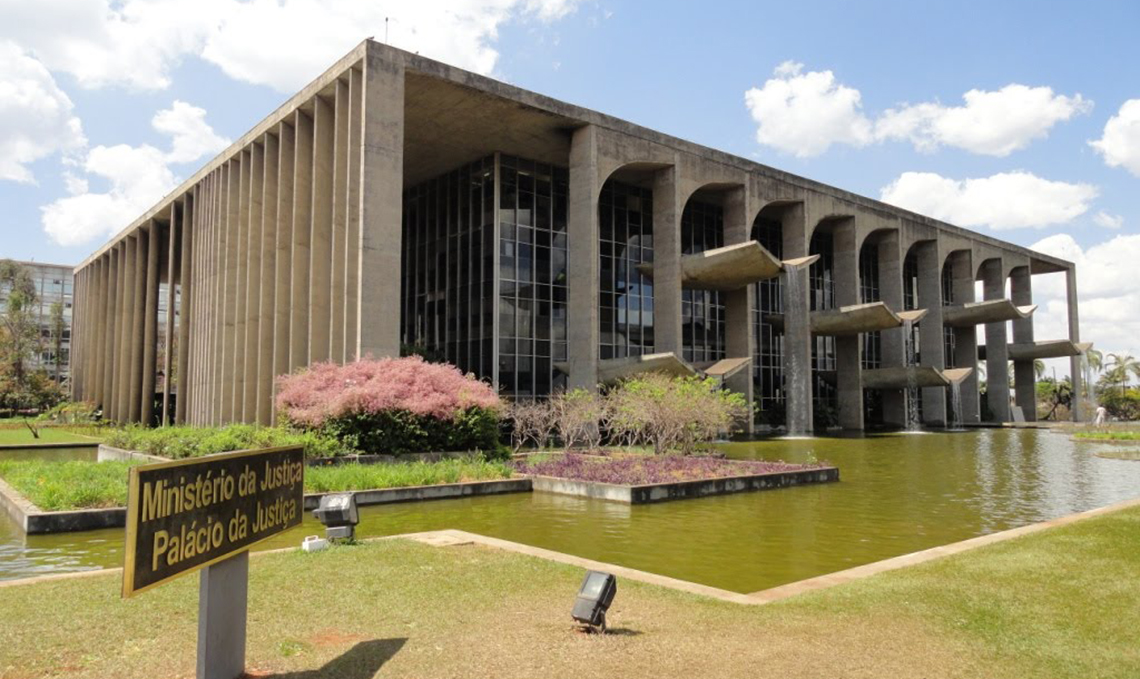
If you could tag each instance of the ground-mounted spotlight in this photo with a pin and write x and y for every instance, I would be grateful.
(338, 514)
(594, 599)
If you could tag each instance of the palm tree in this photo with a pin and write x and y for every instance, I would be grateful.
(1120, 366)
(1039, 368)
(1095, 359)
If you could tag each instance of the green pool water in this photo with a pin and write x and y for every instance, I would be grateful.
(898, 494)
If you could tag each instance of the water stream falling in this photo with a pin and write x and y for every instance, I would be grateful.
(912, 421)
(797, 406)
(956, 406)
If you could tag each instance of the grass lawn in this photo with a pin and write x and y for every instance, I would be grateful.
(1060, 603)
(55, 486)
(1120, 435)
(21, 437)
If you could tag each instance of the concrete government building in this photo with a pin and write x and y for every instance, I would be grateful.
(397, 202)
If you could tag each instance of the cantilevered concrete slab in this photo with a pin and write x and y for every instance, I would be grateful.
(854, 319)
(726, 367)
(731, 267)
(989, 311)
(904, 377)
(957, 375)
(614, 369)
(1031, 351)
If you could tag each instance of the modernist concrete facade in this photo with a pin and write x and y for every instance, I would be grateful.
(398, 202)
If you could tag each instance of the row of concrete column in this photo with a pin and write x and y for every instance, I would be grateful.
(593, 158)
(268, 249)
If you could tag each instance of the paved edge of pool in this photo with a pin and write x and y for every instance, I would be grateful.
(684, 490)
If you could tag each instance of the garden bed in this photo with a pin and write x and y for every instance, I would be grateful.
(641, 479)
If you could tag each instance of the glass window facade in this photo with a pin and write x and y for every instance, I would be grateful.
(869, 291)
(702, 311)
(768, 363)
(448, 268)
(947, 300)
(484, 272)
(625, 304)
(821, 279)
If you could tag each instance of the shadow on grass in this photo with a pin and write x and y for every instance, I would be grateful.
(362, 661)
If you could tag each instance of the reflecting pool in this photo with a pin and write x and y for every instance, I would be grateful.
(898, 494)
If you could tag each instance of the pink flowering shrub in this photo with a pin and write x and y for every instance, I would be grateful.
(393, 405)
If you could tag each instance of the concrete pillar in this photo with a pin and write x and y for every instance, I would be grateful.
(284, 259)
(1075, 363)
(101, 327)
(667, 209)
(339, 240)
(848, 358)
(150, 325)
(381, 205)
(253, 248)
(997, 349)
(797, 324)
(320, 244)
(187, 235)
(352, 255)
(966, 338)
(931, 343)
(302, 231)
(1024, 376)
(583, 265)
(231, 294)
(893, 341)
(127, 327)
(110, 353)
(176, 214)
(740, 340)
(267, 304)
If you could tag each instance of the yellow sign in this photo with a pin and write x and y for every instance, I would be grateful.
(187, 514)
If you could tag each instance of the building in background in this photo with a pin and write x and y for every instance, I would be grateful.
(397, 202)
(53, 285)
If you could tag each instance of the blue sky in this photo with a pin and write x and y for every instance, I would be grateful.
(866, 96)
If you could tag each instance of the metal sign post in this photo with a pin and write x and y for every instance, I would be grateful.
(204, 514)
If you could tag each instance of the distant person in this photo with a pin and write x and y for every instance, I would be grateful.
(1101, 416)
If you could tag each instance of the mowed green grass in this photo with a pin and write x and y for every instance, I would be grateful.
(1062, 603)
(1119, 435)
(23, 437)
(354, 476)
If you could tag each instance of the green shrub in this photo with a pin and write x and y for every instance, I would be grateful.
(183, 442)
(1120, 406)
(335, 478)
(398, 432)
(58, 486)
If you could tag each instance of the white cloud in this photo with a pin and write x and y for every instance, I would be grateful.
(136, 178)
(1108, 221)
(990, 123)
(1105, 290)
(805, 113)
(1120, 143)
(35, 115)
(1008, 200)
(191, 136)
(133, 43)
(280, 43)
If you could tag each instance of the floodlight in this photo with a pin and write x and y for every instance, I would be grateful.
(594, 599)
(338, 514)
